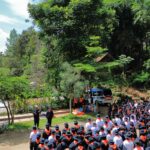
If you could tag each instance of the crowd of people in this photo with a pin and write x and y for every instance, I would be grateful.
(126, 127)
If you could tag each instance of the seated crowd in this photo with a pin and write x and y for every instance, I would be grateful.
(129, 129)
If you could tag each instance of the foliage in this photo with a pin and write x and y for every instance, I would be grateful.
(147, 65)
(71, 83)
(85, 67)
(142, 79)
(12, 88)
(79, 32)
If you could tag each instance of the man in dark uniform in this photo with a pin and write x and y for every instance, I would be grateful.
(66, 126)
(76, 125)
(46, 132)
(74, 144)
(49, 116)
(57, 130)
(36, 115)
(62, 145)
(69, 138)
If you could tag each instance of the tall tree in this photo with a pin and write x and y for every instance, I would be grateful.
(11, 41)
(66, 26)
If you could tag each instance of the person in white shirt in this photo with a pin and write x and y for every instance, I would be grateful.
(115, 128)
(109, 136)
(106, 126)
(127, 123)
(33, 135)
(125, 117)
(118, 139)
(128, 143)
(102, 131)
(99, 121)
(133, 119)
(52, 136)
(110, 123)
(88, 125)
(117, 119)
(94, 129)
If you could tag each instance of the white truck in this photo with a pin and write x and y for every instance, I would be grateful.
(100, 96)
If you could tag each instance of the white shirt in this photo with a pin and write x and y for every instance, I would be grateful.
(110, 124)
(127, 125)
(114, 130)
(88, 125)
(51, 139)
(118, 120)
(118, 140)
(128, 144)
(94, 129)
(99, 122)
(109, 137)
(140, 148)
(33, 136)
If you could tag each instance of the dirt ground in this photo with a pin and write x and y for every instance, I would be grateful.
(14, 140)
(19, 140)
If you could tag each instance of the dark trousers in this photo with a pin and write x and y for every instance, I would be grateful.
(49, 121)
(36, 122)
(32, 146)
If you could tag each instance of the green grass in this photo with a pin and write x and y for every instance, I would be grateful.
(68, 118)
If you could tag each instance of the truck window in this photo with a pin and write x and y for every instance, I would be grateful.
(107, 92)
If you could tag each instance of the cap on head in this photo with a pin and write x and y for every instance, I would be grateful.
(53, 132)
(68, 133)
(91, 139)
(98, 115)
(56, 127)
(50, 145)
(75, 122)
(103, 136)
(116, 132)
(42, 141)
(34, 128)
(137, 142)
(89, 119)
(111, 142)
(142, 132)
(66, 125)
(47, 125)
(63, 131)
(38, 135)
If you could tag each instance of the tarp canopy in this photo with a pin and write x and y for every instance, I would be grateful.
(96, 90)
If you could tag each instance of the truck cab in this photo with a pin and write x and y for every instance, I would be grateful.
(100, 96)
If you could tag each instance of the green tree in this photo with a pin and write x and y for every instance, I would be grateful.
(12, 88)
(71, 83)
(123, 61)
(65, 26)
(11, 41)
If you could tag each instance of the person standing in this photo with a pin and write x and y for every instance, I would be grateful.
(33, 137)
(36, 115)
(49, 116)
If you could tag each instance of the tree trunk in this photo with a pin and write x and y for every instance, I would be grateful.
(8, 114)
(11, 114)
(70, 105)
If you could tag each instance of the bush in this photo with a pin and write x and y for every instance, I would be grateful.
(141, 80)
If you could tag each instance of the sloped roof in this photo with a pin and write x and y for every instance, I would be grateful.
(100, 58)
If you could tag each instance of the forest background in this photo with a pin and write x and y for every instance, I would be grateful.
(74, 45)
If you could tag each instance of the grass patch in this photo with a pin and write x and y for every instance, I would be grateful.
(58, 120)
